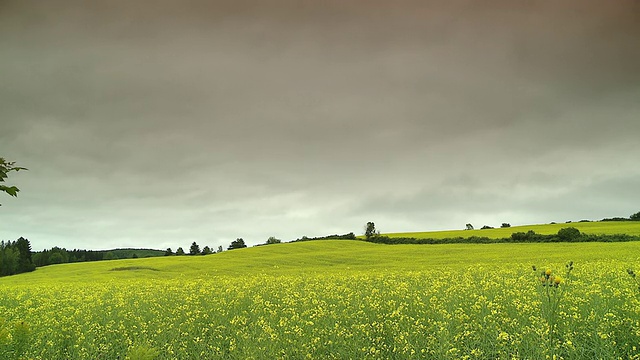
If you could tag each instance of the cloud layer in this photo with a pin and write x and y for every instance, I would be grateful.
(154, 124)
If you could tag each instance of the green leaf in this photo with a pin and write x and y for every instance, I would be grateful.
(13, 191)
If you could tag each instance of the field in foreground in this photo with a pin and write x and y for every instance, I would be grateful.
(330, 299)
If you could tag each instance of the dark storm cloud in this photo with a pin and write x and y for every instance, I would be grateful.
(159, 123)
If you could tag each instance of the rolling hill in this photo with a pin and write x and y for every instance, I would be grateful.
(327, 256)
(592, 227)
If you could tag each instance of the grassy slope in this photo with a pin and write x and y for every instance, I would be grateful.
(594, 227)
(330, 256)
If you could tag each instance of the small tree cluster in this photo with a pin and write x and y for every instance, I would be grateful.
(370, 230)
(568, 234)
(15, 257)
(349, 236)
(273, 240)
(194, 249)
(237, 244)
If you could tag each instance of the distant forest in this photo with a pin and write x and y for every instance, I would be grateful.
(58, 255)
(17, 257)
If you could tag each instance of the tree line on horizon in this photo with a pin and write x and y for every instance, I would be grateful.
(17, 257)
(238, 243)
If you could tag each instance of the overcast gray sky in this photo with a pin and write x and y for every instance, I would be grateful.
(158, 123)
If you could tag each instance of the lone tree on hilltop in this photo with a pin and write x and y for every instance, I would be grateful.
(237, 244)
(180, 251)
(505, 225)
(469, 227)
(206, 250)
(370, 230)
(5, 168)
(194, 249)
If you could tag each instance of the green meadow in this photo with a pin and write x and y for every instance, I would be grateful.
(593, 227)
(333, 299)
(327, 256)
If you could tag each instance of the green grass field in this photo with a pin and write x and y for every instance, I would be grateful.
(334, 299)
(594, 227)
(330, 256)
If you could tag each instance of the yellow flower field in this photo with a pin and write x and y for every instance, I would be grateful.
(373, 302)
